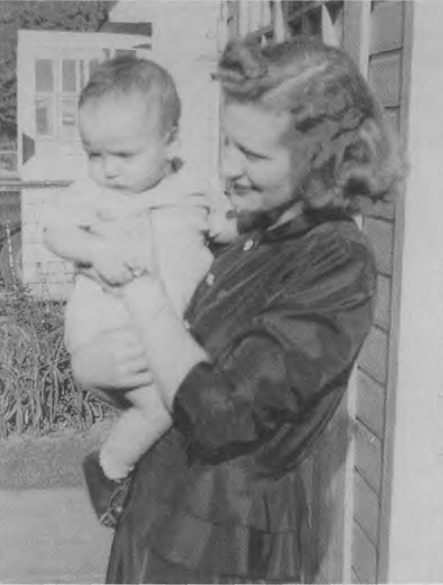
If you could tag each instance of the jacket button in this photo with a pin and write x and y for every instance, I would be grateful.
(248, 245)
(210, 279)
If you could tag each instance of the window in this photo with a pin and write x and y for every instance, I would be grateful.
(58, 83)
(322, 18)
(268, 21)
(44, 97)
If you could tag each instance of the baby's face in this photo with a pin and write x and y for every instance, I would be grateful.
(124, 143)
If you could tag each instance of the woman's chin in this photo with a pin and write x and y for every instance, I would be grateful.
(248, 221)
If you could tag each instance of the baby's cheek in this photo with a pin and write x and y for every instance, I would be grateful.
(96, 174)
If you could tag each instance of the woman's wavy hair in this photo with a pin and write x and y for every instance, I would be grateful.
(342, 140)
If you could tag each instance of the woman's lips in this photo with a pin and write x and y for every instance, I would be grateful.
(237, 190)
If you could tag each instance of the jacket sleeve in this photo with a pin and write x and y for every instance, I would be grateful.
(285, 367)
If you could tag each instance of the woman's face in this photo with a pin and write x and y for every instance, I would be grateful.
(257, 163)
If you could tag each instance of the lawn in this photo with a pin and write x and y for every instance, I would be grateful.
(38, 394)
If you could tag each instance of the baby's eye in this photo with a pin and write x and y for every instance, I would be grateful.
(92, 155)
(125, 155)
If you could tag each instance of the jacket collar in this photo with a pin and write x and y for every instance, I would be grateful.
(301, 224)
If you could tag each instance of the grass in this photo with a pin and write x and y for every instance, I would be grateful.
(38, 394)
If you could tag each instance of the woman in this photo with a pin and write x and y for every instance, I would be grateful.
(273, 331)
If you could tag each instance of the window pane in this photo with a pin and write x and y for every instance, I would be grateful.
(122, 52)
(43, 116)
(8, 161)
(82, 75)
(44, 75)
(69, 83)
(68, 118)
(93, 65)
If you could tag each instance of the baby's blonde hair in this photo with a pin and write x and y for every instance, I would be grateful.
(127, 74)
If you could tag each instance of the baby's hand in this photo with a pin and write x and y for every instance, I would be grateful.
(110, 264)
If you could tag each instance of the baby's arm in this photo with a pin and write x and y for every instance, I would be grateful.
(68, 235)
(68, 216)
(183, 257)
(70, 241)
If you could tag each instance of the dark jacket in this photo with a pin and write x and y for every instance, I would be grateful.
(282, 314)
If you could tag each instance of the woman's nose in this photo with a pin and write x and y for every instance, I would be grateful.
(232, 163)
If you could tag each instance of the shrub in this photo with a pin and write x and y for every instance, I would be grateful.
(38, 393)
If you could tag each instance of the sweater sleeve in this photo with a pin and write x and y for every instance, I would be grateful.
(72, 206)
(183, 256)
(286, 367)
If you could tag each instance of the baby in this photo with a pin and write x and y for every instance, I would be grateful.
(128, 121)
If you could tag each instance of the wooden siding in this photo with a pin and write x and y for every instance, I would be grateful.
(374, 356)
(384, 209)
(368, 456)
(381, 235)
(370, 403)
(366, 508)
(364, 555)
(384, 65)
(383, 306)
(386, 27)
(385, 77)
(393, 117)
(391, 391)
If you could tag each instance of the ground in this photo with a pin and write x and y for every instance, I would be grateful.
(48, 532)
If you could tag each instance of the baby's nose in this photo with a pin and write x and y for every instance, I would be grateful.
(110, 167)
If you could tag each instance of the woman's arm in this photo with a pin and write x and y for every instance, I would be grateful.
(290, 363)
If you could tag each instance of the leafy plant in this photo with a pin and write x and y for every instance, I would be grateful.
(38, 393)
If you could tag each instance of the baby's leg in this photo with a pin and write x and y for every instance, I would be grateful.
(137, 429)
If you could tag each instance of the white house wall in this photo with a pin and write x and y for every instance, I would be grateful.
(185, 40)
(416, 533)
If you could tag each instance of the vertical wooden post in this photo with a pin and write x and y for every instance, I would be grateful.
(356, 35)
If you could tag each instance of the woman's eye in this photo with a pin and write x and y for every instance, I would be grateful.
(92, 155)
(252, 156)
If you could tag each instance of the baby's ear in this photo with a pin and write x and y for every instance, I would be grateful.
(174, 144)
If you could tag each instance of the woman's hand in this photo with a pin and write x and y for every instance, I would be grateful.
(114, 360)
